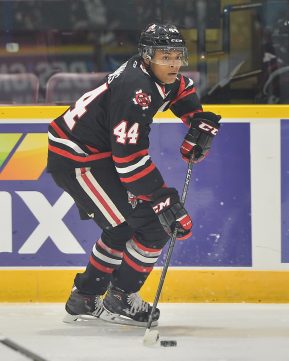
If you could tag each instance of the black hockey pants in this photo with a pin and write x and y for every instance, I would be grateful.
(132, 237)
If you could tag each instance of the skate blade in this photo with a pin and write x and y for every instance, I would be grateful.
(78, 318)
(123, 320)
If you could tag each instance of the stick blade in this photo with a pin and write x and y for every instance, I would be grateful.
(151, 337)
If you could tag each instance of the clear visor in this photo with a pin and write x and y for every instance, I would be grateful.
(177, 56)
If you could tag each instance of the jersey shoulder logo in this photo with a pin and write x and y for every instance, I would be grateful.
(142, 99)
(117, 73)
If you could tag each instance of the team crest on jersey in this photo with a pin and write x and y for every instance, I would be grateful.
(142, 99)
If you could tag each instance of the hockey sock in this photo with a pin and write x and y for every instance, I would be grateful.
(102, 262)
(138, 262)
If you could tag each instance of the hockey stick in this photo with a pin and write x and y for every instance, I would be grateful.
(151, 337)
(22, 350)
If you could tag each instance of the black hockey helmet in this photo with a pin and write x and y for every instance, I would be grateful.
(163, 37)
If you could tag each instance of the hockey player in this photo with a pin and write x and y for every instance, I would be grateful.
(99, 154)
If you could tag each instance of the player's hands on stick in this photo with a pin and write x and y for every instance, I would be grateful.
(197, 142)
(171, 213)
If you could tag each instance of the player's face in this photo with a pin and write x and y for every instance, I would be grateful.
(166, 64)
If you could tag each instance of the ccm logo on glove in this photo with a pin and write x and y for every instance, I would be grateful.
(208, 128)
(162, 205)
(172, 213)
(198, 141)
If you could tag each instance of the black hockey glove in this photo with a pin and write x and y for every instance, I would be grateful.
(171, 213)
(197, 142)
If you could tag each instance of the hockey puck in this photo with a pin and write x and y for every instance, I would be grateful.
(169, 343)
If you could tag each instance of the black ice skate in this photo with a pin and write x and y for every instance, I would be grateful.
(82, 306)
(127, 308)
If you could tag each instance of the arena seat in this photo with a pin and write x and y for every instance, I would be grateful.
(66, 88)
(22, 88)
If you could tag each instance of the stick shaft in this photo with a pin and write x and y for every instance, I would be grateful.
(24, 351)
(171, 247)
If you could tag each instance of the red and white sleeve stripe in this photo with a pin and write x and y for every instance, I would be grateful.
(186, 103)
(137, 171)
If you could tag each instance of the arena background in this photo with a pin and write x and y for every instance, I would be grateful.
(238, 198)
(52, 51)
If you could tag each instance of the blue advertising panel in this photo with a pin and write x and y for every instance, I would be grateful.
(219, 198)
(285, 190)
(41, 227)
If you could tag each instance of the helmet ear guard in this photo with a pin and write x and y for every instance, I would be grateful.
(146, 52)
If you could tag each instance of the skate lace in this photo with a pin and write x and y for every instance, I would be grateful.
(98, 307)
(136, 304)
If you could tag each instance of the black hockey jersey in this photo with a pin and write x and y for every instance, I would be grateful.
(112, 123)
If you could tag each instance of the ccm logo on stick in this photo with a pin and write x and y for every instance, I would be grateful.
(208, 128)
(162, 205)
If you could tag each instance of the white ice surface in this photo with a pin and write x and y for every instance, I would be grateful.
(204, 332)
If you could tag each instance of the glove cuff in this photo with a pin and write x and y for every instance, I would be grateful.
(165, 192)
(209, 117)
